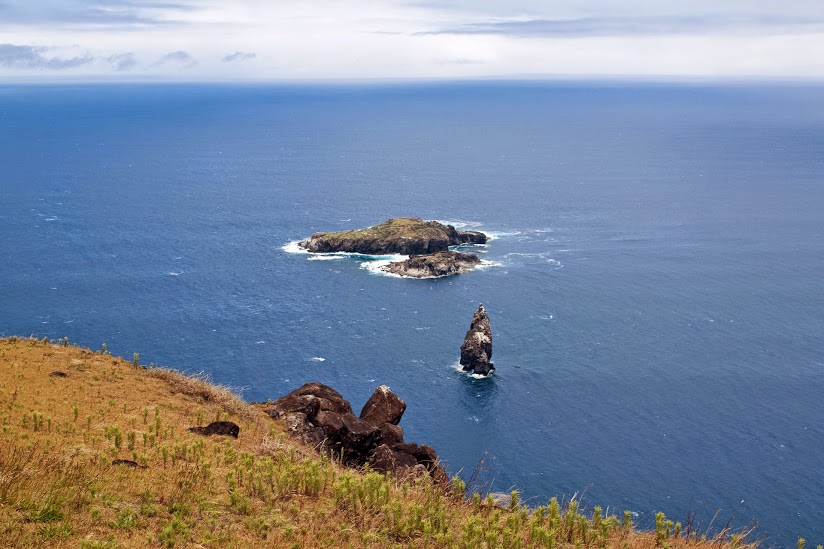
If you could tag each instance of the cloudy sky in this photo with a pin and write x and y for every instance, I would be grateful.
(344, 39)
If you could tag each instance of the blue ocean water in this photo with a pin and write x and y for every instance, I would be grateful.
(656, 297)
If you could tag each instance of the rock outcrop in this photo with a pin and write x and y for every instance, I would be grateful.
(476, 351)
(317, 415)
(434, 265)
(383, 406)
(226, 428)
(402, 235)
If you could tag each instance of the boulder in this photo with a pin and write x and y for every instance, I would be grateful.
(299, 426)
(128, 463)
(383, 406)
(357, 437)
(308, 405)
(423, 454)
(384, 459)
(426, 459)
(476, 351)
(227, 428)
(331, 423)
(390, 434)
(328, 400)
(435, 265)
(318, 416)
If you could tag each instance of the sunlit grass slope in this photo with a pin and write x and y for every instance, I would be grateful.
(68, 413)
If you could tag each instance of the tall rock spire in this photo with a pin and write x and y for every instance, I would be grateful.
(476, 351)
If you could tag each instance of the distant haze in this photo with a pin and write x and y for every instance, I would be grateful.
(389, 39)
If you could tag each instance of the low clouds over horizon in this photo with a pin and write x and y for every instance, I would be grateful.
(30, 57)
(178, 58)
(294, 40)
(238, 56)
(626, 26)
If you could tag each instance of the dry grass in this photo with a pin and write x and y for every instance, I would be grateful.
(397, 228)
(58, 487)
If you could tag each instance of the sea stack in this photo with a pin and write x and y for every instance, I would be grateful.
(476, 351)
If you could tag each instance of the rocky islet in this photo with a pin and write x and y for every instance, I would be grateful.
(426, 242)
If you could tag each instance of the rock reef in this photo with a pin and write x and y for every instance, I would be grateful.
(319, 416)
(402, 235)
(476, 351)
(434, 265)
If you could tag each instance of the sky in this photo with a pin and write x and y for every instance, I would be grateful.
(300, 40)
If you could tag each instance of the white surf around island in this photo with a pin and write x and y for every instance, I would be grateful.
(458, 368)
(377, 264)
(380, 267)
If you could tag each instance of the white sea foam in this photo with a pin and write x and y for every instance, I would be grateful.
(485, 264)
(458, 368)
(326, 257)
(495, 235)
(172, 273)
(293, 248)
(545, 256)
(460, 223)
(378, 266)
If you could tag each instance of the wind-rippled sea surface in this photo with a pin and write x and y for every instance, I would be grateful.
(655, 295)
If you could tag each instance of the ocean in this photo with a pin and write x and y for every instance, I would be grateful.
(655, 284)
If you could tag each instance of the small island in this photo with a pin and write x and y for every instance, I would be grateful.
(426, 242)
(434, 265)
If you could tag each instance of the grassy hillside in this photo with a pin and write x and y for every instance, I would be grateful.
(68, 413)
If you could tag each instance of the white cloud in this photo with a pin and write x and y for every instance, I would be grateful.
(38, 58)
(123, 61)
(394, 39)
(238, 56)
(178, 58)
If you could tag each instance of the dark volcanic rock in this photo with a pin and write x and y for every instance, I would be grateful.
(299, 426)
(476, 351)
(383, 406)
(349, 433)
(403, 235)
(331, 423)
(385, 459)
(318, 416)
(128, 463)
(423, 454)
(305, 404)
(390, 434)
(434, 265)
(327, 398)
(227, 428)
(357, 437)
(58, 373)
